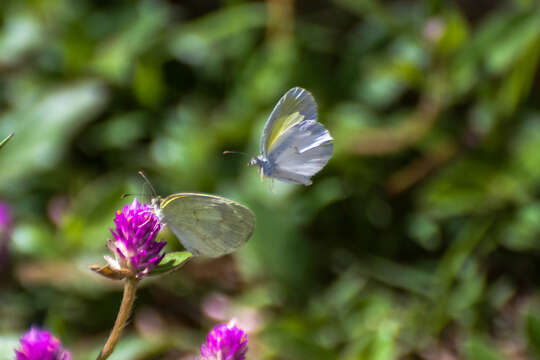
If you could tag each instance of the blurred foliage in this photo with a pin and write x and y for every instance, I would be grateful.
(419, 240)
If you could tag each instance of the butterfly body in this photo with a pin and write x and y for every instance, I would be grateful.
(294, 146)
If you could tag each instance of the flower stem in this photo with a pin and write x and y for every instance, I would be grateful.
(130, 287)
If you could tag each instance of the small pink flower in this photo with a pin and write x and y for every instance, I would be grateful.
(6, 218)
(39, 344)
(6, 228)
(134, 245)
(225, 342)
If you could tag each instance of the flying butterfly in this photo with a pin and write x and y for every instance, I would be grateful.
(206, 225)
(294, 146)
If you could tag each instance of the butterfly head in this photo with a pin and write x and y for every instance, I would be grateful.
(262, 163)
(156, 203)
(257, 161)
(157, 209)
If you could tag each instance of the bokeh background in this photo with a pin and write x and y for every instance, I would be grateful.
(419, 240)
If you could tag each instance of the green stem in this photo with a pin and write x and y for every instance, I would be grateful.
(130, 287)
(4, 142)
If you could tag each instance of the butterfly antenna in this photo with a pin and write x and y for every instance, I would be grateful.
(131, 194)
(154, 193)
(146, 194)
(227, 152)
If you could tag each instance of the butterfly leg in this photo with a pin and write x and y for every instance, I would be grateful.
(261, 173)
(272, 188)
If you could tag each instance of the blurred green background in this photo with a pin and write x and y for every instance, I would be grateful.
(419, 240)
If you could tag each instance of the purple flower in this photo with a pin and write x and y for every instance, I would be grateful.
(134, 246)
(225, 342)
(39, 344)
(6, 218)
(6, 227)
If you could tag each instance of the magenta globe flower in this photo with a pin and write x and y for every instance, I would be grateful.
(6, 228)
(6, 218)
(134, 245)
(39, 344)
(225, 342)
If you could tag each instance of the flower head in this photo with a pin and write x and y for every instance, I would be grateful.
(39, 344)
(6, 218)
(6, 227)
(134, 245)
(225, 342)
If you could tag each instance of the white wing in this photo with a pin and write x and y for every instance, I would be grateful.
(300, 152)
(207, 225)
(295, 106)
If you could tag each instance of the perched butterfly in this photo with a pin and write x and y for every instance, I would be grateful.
(207, 225)
(294, 146)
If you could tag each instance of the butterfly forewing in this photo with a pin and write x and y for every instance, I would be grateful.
(207, 225)
(294, 107)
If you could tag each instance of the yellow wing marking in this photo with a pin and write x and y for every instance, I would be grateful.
(282, 125)
(172, 197)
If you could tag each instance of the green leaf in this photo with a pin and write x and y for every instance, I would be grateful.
(171, 262)
(3, 142)
(478, 348)
(532, 331)
(195, 43)
(40, 144)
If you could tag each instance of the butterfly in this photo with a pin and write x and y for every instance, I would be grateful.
(294, 146)
(206, 225)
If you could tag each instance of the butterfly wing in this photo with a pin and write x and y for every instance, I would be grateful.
(300, 152)
(294, 107)
(207, 225)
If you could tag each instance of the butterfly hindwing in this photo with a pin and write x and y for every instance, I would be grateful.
(300, 152)
(295, 106)
(207, 225)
